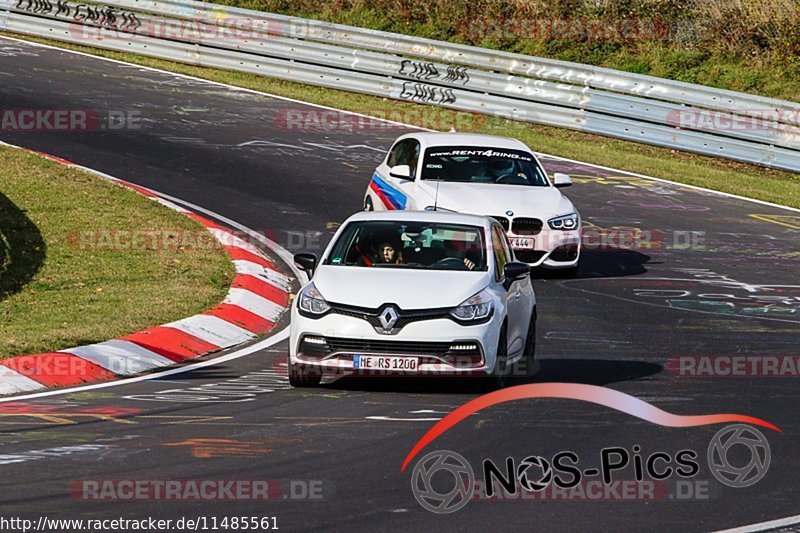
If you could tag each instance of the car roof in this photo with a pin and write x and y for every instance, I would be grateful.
(445, 217)
(470, 139)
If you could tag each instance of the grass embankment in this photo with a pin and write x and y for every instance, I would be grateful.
(72, 270)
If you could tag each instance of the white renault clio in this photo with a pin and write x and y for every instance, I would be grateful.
(414, 292)
(484, 175)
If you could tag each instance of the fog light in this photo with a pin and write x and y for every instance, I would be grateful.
(463, 347)
(567, 252)
(314, 347)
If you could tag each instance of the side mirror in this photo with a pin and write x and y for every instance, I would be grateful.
(561, 180)
(306, 262)
(402, 172)
(514, 271)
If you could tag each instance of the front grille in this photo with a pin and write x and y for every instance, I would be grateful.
(527, 226)
(404, 317)
(389, 347)
(528, 256)
(503, 222)
(334, 345)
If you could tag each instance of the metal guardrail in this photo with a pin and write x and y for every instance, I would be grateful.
(569, 95)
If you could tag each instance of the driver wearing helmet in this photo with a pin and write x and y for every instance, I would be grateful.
(499, 168)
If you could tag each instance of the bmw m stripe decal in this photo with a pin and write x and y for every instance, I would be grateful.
(391, 197)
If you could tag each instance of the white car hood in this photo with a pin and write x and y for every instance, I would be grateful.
(496, 199)
(407, 288)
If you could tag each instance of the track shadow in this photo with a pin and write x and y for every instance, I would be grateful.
(22, 248)
(584, 371)
(606, 263)
(593, 371)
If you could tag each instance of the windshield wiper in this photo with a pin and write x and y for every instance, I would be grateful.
(400, 265)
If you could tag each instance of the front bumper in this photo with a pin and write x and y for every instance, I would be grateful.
(435, 344)
(552, 249)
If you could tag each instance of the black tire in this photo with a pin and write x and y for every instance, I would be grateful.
(368, 204)
(299, 377)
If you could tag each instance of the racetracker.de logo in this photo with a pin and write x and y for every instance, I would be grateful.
(195, 489)
(68, 120)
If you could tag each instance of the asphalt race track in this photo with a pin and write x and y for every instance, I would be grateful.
(711, 279)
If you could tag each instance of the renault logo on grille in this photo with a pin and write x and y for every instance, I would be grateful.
(388, 318)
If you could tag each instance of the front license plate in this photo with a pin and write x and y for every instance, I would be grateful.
(379, 362)
(519, 243)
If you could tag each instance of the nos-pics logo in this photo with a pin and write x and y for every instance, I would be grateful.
(443, 481)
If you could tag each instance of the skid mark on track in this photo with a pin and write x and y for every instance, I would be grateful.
(210, 448)
(186, 419)
(195, 420)
(97, 450)
(315, 421)
(400, 419)
(19, 413)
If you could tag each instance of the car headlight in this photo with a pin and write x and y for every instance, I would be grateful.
(566, 222)
(311, 302)
(474, 308)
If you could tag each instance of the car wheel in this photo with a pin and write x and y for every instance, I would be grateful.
(497, 379)
(299, 377)
(368, 204)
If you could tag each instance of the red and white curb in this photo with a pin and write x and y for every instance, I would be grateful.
(257, 298)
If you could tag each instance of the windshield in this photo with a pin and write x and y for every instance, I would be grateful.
(416, 245)
(473, 164)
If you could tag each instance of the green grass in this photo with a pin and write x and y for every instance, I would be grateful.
(56, 292)
(736, 178)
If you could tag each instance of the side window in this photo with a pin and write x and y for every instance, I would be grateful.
(406, 152)
(412, 157)
(502, 254)
(394, 154)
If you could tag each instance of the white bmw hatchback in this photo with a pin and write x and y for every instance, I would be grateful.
(484, 175)
(413, 292)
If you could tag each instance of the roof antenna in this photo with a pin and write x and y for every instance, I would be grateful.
(436, 198)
